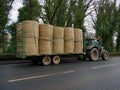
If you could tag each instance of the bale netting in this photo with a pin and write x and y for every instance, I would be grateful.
(78, 35)
(30, 47)
(45, 32)
(68, 33)
(78, 47)
(58, 32)
(45, 47)
(68, 46)
(30, 28)
(58, 46)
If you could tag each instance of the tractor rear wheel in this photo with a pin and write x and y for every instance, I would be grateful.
(93, 54)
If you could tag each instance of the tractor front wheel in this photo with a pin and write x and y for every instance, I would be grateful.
(105, 55)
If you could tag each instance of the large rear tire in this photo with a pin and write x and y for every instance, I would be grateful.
(105, 55)
(93, 54)
(46, 61)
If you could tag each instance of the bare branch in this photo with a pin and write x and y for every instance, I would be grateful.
(58, 5)
(88, 5)
(10, 7)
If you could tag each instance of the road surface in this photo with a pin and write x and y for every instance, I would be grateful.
(69, 75)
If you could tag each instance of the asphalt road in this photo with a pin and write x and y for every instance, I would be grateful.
(69, 75)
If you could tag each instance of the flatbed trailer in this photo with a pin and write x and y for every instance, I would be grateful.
(45, 59)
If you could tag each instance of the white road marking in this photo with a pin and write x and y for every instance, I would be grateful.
(104, 66)
(40, 76)
(67, 72)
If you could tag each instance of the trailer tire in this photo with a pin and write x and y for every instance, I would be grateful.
(46, 60)
(93, 54)
(56, 60)
(105, 55)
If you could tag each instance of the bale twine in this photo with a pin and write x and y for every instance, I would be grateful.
(78, 35)
(68, 33)
(58, 32)
(45, 32)
(45, 47)
(58, 46)
(31, 29)
(30, 47)
(78, 47)
(68, 47)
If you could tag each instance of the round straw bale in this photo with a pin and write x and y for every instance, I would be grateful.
(31, 29)
(18, 33)
(45, 47)
(58, 46)
(30, 47)
(58, 32)
(69, 46)
(19, 26)
(78, 47)
(78, 35)
(45, 32)
(68, 33)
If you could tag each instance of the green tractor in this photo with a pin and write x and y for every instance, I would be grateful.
(94, 49)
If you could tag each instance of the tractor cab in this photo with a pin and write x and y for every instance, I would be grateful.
(90, 43)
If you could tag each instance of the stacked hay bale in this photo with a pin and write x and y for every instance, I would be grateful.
(58, 40)
(27, 37)
(68, 40)
(78, 41)
(45, 38)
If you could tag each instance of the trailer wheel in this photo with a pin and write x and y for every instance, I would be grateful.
(105, 55)
(93, 54)
(46, 60)
(56, 60)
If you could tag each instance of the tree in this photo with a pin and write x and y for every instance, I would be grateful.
(5, 7)
(105, 25)
(11, 49)
(80, 12)
(51, 8)
(65, 12)
(118, 30)
(60, 17)
(30, 10)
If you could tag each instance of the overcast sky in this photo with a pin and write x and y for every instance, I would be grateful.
(14, 12)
